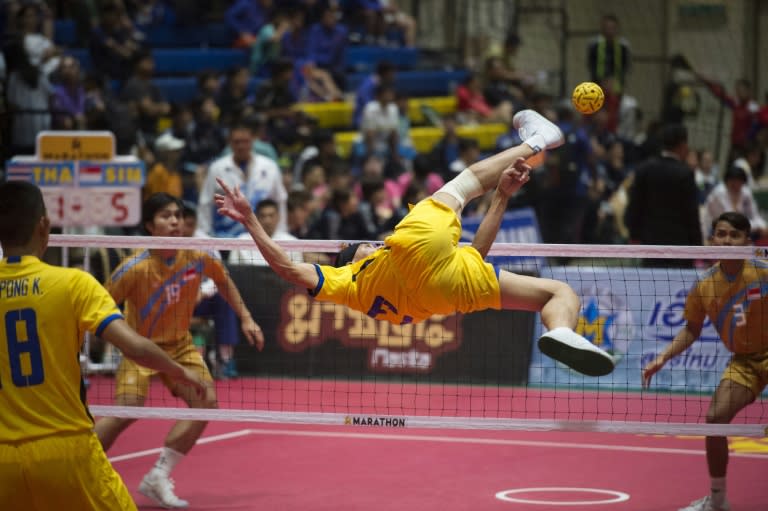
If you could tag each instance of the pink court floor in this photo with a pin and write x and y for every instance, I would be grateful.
(255, 466)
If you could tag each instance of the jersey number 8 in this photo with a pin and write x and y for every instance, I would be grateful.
(21, 331)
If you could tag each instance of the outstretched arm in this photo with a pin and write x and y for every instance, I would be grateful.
(684, 338)
(234, 205)
(510, 182)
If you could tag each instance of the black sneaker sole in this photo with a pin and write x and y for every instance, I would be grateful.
(586, 362)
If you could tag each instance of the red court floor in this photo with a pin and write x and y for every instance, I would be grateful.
(253, 466)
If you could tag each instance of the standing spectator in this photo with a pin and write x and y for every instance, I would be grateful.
(609, 59)
(36, 24)
(68, 103)
(744, 110)
(707, 174)
(245, 18)
(28, 96)
(383, 75)
(115, 43)
(733, 194)
(145, 97)
(663, 206)
(256, 176)
(261, 145)
(327, 44)
(268, 213)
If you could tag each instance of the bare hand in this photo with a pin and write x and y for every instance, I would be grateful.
(650, 369)
(233, 203)
(193, 378)
(514, 177)
(253, 333)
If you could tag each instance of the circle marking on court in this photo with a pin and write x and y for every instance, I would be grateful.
(508, 496)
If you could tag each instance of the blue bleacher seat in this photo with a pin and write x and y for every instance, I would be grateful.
(179, 61)
(419, 83)
(365, 58)
(217, 35)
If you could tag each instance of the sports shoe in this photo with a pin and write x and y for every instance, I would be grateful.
(568, 347)
(537, 131)
(230, 370)
(706, 504)
(159, 488)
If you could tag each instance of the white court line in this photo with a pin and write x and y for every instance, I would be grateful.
(204, 440)
(443, 439)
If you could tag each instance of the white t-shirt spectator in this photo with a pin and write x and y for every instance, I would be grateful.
(260, 179)
(254, 257)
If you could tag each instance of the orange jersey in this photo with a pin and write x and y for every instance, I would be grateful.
(160, 294)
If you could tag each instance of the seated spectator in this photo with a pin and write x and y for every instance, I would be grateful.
(384, 74)
(327, 45)
(115, 43)
(473, 107)
(733, 194)
(245, 18)
(209, 86)
(35, 23)
(206, 138)
(148, 13)
(28, 98)
(398, 23)
(68, 102)
(269, 217)
(293, 45)
(447, 148)
(275, 97)
(469, 153)
(381, 119)
(322, 151)
(314, 84)
(299, 211)
(342, 219)
(104, 111)
(258, 125)
(388, 194)
(413, 194)
(165, 175)
(422, 175)
(233, 97)
(266, 48)
(145, 97)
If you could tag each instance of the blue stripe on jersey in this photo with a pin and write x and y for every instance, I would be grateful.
(161, 290)
(320, 281)
(197, 265)
(14, 259)
(727, 308)
(130, 264)
(104, 324)
(760, 264)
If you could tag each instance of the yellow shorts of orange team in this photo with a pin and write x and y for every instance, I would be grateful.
(445, 277)
(749, 370)
(63, 473)
(133, 379)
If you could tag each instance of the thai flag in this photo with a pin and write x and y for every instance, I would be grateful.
(90, 174)
(190, 274)
(754, 292)
(19, 173)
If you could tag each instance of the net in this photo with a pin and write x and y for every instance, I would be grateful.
(326, 364)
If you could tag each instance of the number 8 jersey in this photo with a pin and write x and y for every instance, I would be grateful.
(44, 314)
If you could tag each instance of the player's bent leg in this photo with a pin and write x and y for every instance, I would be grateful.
(729, 399)
(107, 429)
(559, 308)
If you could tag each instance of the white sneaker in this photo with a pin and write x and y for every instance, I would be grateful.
(537, 131)
(573, 350)
(159, 488)
(706, 504)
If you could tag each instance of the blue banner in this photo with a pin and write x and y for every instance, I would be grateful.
(634, 313)
(517, 226)
(78, 173)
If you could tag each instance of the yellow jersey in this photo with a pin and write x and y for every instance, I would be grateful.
(44, 314)
(160, 294)
(737, 306)
(419, 272)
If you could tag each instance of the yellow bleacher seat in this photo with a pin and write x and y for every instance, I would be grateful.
(338, 114)
(425, 138)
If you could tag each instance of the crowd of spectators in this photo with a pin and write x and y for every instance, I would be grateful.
(256, 139)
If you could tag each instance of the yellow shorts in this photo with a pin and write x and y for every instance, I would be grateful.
(444, 277)
(749, 370)
(63, 472)
(133, 379)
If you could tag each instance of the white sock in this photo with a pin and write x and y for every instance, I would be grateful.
(167, 460)
(718, 491)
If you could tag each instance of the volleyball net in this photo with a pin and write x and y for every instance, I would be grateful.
(326, 364)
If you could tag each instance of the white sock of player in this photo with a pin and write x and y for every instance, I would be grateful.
(167, 460)
(718, 491)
